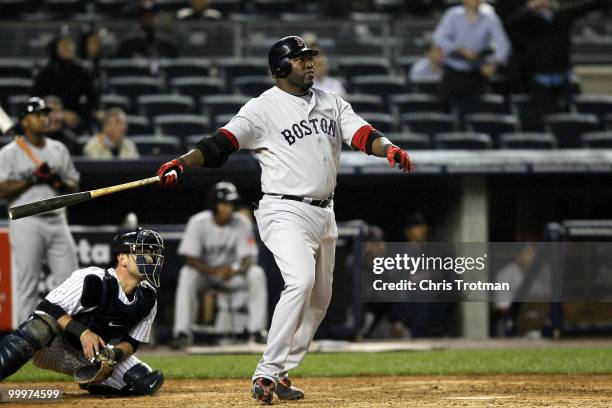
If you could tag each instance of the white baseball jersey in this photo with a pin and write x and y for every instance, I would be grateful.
(15, 164)
(218, 245)
(68, 297)
(297, 142)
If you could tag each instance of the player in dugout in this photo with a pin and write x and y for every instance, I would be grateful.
(91, 325)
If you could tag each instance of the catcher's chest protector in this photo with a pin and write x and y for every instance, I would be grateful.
(113, 319)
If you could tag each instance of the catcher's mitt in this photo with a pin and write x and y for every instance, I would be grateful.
(99, 370)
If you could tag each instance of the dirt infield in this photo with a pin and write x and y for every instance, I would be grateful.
(447, 391)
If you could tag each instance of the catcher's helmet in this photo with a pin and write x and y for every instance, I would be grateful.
(222, 192)
(283, 50)
(33, 105)
(146, 247)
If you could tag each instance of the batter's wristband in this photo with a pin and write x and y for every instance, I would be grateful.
(75, 328)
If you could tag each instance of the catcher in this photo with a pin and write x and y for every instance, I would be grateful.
(92, 324)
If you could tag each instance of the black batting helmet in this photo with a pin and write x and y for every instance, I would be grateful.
(33, 105)
(283, 50)
(222, 192)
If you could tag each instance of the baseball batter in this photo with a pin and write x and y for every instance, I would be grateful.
(33, 168)
(97, 314)
(220, 253)
(296, 132)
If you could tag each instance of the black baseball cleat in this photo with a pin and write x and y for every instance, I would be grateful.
(286, 391)
(263, 389)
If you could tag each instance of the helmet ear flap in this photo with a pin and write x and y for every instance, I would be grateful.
(284, 68)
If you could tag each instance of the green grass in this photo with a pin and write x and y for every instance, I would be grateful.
(536, 361)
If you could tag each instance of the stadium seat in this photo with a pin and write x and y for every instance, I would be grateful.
(231, 68)
(119, 101)
(599, 105)
(273, 6)
(134, 86)
(597, 140)
(155, 105)
(520, 105)
(14, 8)
(429, 123)
(381, 121)
(181, 125)
(185, 67)
(16, 68)
(567, 127)
(492, 124)
(138, 125)
(228, 6)
(64, 8)
(14, 86)
(396, 7)
(222, 104)
(111, 8)
(410, 141)
(157, 145)
(415, 102)
(382, 85)
(252, 85)
(527, 140)
(170, 5)
(490, 103)
(136, 67)
(462, 140)
(197, 87)
(359, 66)
(425, 86)
(406, 63)
(366, 103)
(15, 102)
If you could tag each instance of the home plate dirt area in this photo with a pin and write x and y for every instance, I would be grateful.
(408, 391)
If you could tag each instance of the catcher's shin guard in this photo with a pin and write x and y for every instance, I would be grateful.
(142, 380)
(17, 348)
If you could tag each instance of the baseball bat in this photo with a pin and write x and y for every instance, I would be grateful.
(66, 200)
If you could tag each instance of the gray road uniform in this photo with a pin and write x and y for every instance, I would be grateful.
(42, 237)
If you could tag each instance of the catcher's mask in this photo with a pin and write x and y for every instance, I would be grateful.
(146, 247)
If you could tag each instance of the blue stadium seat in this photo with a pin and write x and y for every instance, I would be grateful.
(599, 105)
(111, 8)
(136, 67)
(492, 124)
(138, 125)
(197, 87)
(429, 123)
(221, 120)
(185, 67)
(416, 102)
(273, 6)
(222, 104)
(597, 140)
(351, 67)
(14, 86)
(527, 140)
(135, 86)
(462, 140)
(520, 105)
(252, 85)
(231, 68)
(157, 145)
(16, 68)
(567, 127)
(490, 103)
(181, 125)
(155, 105)
(366, 103)
(425, 86)
(382, 85)
(410, 141)
(381, 121)
(64, 8)
(119, 101)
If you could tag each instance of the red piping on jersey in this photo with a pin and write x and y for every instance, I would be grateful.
(231, 138)
(360, 138)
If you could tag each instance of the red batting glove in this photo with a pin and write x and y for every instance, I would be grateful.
(170, 172)
(399, 156)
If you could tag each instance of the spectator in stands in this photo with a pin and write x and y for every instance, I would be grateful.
(56, 128)
(322, 78)
(146, 41)
(111, 142)
(466, 35)
(90, 49)
(541, 31)
(428, 68)
(69, 81)
(198, 10)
